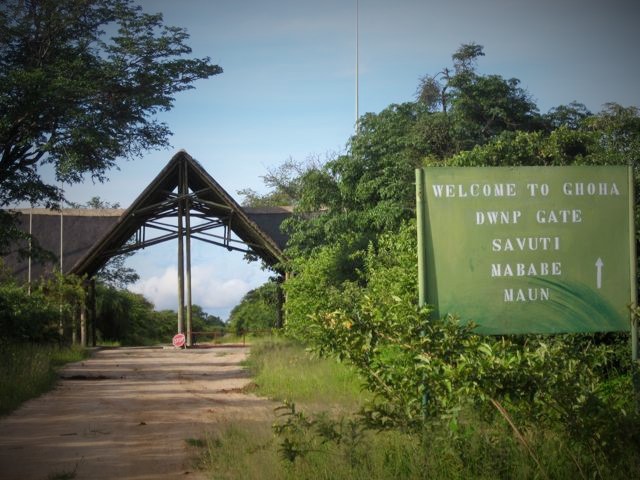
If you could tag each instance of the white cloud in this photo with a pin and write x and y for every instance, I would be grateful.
(211, 289)
(161, 290)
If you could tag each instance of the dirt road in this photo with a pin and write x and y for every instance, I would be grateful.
(127, 413)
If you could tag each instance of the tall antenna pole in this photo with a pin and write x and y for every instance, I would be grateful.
(357, 65)
(30, 246)
(62, 231)
(61, 322)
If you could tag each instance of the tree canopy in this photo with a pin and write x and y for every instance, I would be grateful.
(460, 117)
(257, 310)
(80, 85)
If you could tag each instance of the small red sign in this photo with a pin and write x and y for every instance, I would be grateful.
(178, 340)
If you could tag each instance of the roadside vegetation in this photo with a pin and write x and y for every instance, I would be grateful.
(28, 370)
(326, 435)
(50, 311)
(467, 405)
(284, 371)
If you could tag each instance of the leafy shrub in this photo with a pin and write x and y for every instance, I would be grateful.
(323, 281)
(25, 317)
(425, 370)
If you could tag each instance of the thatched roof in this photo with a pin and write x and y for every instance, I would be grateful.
(81, 229)
(269, 220)
(91, 237)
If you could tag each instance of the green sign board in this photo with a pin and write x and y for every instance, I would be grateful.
(528, 249)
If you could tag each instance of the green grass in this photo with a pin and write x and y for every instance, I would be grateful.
(476, 449)
(196, 442)
(29, 370)
(67, 475)
(286, 371)
(251, 451)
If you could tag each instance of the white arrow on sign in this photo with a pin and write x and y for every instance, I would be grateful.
(599, 265)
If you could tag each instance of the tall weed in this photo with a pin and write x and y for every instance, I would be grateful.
(332, 443)
(28, 370)
(284, 370)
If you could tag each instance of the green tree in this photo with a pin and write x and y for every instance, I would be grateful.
(325, 280)
(610, 137)
(369, 190)
(95, 203)
(285, 183)
(571, 115)
(202, 321)
(433, 90)
(116, 274)
(618, 131)
(78, 99)
(131, 319)
(485, 105)
(478, 107)
(257, 310)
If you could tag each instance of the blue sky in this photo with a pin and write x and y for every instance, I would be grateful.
(288, 89)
